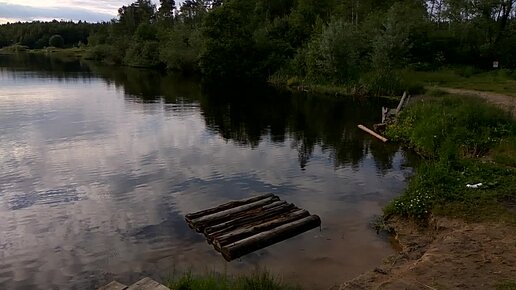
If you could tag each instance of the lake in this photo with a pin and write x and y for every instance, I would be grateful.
(99, 165)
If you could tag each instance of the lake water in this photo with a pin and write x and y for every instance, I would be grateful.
(99, 165)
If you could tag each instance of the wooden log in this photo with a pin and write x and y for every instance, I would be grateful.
(250, 221)
(402, 101)
(227, 205)
(255, 229)
(214, 231)
(385, 113)
(267, 238)
(200, 223)
(373, 133)
(241, 219)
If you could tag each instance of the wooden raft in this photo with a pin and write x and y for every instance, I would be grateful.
(243, 226)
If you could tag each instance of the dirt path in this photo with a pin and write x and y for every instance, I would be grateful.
(451, 254)
(503, 101)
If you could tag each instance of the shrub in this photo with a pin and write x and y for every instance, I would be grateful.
(56, 41)
(104, 53)
(452, 132)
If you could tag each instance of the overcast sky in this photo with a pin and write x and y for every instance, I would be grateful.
(86, 10)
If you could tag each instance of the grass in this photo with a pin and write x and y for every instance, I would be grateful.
(509, 285)
(217, 281)
(464, 141)
(499, 81)
(73, 52)
(13, 49)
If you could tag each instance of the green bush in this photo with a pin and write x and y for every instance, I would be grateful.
(180, 49)
(56, 41)
(104, 53)
(453, 133)
(143, 54)
(467, 124)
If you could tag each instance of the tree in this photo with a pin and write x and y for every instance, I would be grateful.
(56, 41)
(141, 11)
(166, 10)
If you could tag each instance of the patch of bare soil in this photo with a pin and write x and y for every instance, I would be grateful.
(505, 102)
(449, 254)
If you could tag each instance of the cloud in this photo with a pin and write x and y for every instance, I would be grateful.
(29, 13)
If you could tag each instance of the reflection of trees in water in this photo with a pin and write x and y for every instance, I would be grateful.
(248, 116)
(49, 67)
(245, 116)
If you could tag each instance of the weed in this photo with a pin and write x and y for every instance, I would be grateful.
(260, 280)
(453, 133)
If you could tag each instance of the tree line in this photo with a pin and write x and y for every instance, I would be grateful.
(37, 34)
(351, 42)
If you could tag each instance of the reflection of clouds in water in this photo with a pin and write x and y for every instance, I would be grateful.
(137, 168)
(51, 197)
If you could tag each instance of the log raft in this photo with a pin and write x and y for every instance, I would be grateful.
(240, 227)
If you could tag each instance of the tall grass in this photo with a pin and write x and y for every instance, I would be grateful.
(461, 139)
(216, 281)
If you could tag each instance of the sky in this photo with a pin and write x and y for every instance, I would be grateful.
(47, 10)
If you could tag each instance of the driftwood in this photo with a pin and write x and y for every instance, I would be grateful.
(267, 238)
(225, 206)
(240, 227)
(214, 218)
(255, 229)
(389, 115)
(401, 103)
(248, 219)
(372, 133)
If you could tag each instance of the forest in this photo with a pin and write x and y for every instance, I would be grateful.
(356, 43)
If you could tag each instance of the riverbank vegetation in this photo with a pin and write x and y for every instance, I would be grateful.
(217, 281)
(502, 81)
(469, 169)
(353, 47)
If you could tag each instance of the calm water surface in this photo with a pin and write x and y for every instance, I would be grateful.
(98, 166)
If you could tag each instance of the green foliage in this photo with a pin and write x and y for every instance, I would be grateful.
(37, 34)
(216, 281)
(143, 54)
(56, 41)
(357, 46)
(501, 81)
(104, 53)
(139, 12)
(180, 49)
(335, 54)
(466, 126)
(16, 48)
(229, 46)
(507, 285)
(453, 133)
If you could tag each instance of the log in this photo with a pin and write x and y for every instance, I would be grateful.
(225, 227)
(267, 238)
(227, 205)
(385, 113)
(402, 101)
(200, 223)
(373, 133)
(258, 228)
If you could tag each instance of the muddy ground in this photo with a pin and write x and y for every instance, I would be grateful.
(447, 254)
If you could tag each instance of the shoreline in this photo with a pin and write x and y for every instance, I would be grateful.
(447, 253)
